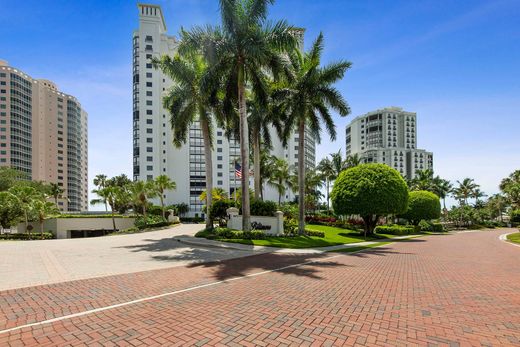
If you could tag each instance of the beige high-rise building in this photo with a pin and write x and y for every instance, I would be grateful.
(43, 132)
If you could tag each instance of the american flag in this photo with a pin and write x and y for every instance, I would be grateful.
(238, 170)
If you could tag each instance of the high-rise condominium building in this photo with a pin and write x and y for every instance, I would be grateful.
(153, 151)
(43, 133)
(388, 136)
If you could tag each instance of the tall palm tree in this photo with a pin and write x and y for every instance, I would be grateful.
(261, 118)
(111, 195)
(497, 204)
(43, 209)
(100, 181)
(423, 180)
(189, 102)
(338, 163)
(56, 192)
(160, 185)
(241, 51)
(280, 177)
(442, 188)
(477, 194)
(308, 98)
(465, 190)
(510, 186)
(328, 173)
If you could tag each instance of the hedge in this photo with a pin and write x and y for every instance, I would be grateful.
(23, 236)
(394, 229)
(422, 205)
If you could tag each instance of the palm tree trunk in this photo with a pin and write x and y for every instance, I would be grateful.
(328, 198)
(209, 171)
(113, 218)
(256, 164)
(301, 179)
(244, 149)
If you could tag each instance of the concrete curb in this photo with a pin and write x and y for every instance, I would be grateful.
(503, 238)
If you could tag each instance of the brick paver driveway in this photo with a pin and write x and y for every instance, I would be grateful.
(461, 289)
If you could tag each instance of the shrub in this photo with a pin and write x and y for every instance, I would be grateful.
(191, 219)
(314, 233)
(437, 227)
(515, 217)
(151, 221)
(422, 205)
(290, 226)
(371, 191)
(23, 236)
(424, 226)
(394, 229)
(218, 210)
(263, 208)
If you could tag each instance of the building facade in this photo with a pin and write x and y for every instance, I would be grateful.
(153, 151)
(43, 133)
(388, 136)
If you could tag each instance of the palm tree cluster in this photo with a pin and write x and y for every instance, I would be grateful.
(121, 194)
(246, 75)
(330, 168)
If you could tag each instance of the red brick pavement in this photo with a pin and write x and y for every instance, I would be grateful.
(453, 290)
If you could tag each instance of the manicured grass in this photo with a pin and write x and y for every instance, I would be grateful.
(514, 237)
(333, 236)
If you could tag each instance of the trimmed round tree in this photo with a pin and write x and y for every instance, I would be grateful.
(422, 205)
(370, 191)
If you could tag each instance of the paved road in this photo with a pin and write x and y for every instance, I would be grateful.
(461, 289)
(42, 262)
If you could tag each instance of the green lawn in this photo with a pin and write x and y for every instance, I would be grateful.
(514, 237)
(333, 236)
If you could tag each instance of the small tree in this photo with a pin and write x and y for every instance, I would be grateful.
(422, 205)
(371, 191)
(11, 211)
(42, 210)
(161, 184)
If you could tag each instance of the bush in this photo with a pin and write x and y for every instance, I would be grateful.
(437, 227)
(151, 221)
(290, 226)
(230, 234)
(422, 205)
(218, 210)
(191, 219)
(424, 226)
(314, 233)
(23, 236)
(262, 208)
(394, 229)
(371, 191)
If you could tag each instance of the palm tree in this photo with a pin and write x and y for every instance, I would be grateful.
(423, 180)
(56, 192)
(353, 160)
(308, 100)
(100, 181)
(510, 186)
(141, 191)
(328, 173)
(497, 204)
(26, 196)
(189, 104)
(261, 118)
(242, 51)
(280, 177)
(442, 188)
(217, 194)
(465, 190)
(313, 183)
(160, 185)
(338, 163)
(43, 209)
(111, 195)
(477, 194)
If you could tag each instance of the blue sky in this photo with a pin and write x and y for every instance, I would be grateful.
(455, 63)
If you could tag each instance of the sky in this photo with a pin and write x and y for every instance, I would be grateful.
(455, 63)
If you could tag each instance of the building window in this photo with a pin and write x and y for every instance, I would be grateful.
(149, 158)
(149, 168)
(149, 112)
(149, 140)
(148, 84)
(148, 75)
(149, 149)
(149, 131)
(148, 102)
(219, 157)
(149, 93)
(149, 121)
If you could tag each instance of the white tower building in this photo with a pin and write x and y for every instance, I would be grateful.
(388, 136)
(153, 151)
